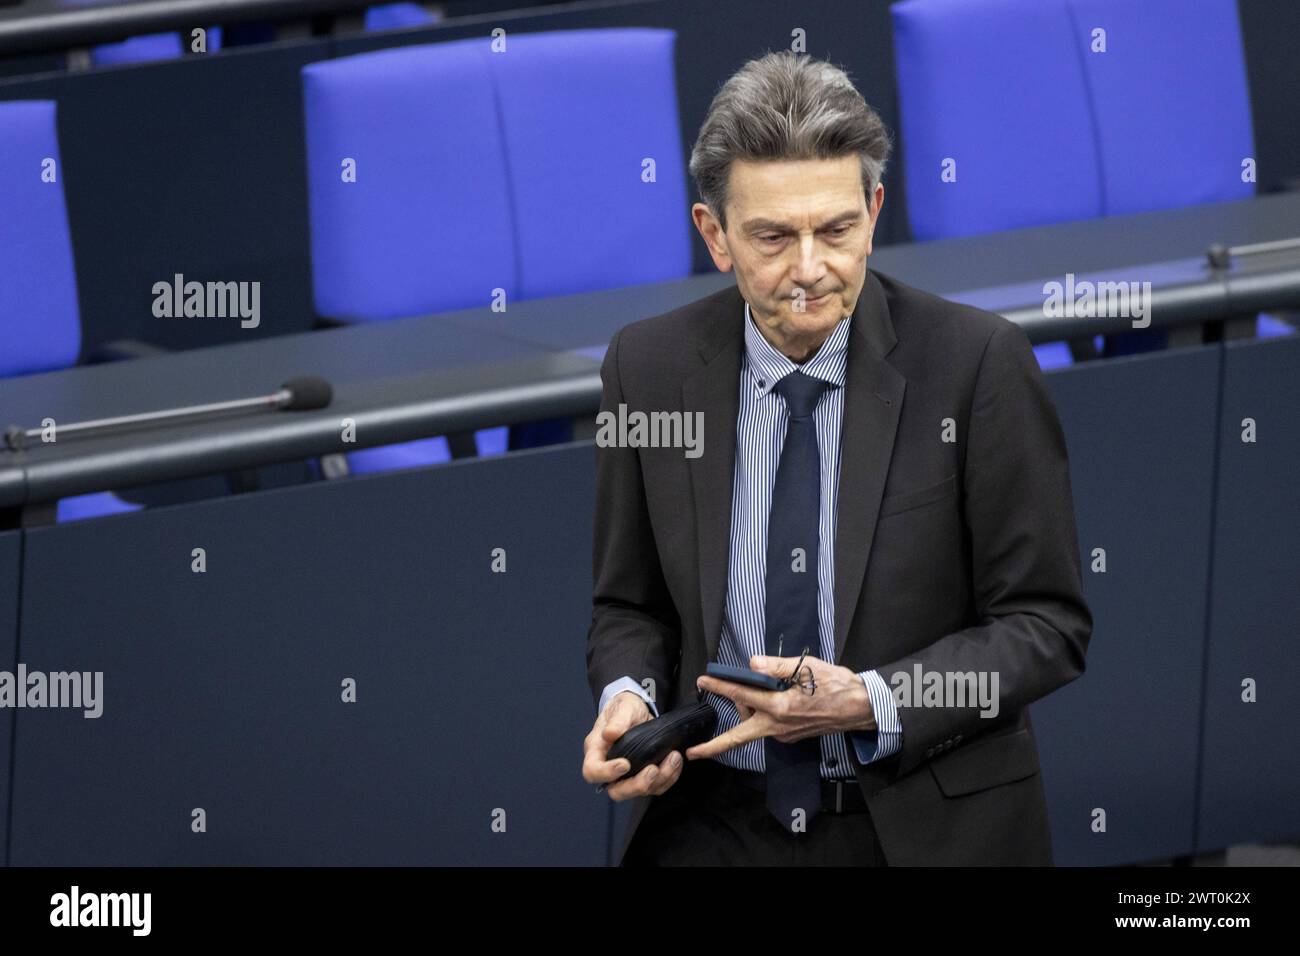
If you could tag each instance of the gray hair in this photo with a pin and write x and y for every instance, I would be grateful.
(786, 106)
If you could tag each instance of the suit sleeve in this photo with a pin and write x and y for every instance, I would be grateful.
(635, 631)
(1034, 625)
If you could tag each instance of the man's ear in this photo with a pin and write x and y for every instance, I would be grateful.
(714, 237)
(873, 212)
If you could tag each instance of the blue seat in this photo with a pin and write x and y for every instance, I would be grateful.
(424, 134)
(141, 49)
(996, 89)
(581, 112)
(40, 325)
(1052, 355)
(1272, 327)
(1173, 70)
(94, 505)
(477, 171)
(149, 48)
(410, 454)
(1004, 87)
(395, 16)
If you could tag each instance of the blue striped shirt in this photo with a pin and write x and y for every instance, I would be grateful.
(760, 434)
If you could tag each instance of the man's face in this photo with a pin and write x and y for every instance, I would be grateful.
(798, 235)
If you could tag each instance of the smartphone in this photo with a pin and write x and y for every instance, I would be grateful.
(743, 675)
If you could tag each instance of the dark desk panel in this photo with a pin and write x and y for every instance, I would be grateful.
(10, 557)
(587, 321)
(1002, 272)
(1250, 777)
(1183, 290)
(398, 380)
(946, 266)
(1123, 737)
(349, 355)
(514, 355)
(383, 412)
(963, 269)
(222, 689)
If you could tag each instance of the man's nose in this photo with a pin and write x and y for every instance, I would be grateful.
(810, 264)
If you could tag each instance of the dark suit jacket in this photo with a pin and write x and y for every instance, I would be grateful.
(959, 555)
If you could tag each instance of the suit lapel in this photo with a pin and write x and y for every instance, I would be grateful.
(872, 402)
(714, 390)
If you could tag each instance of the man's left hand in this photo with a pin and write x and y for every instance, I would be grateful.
(840, 704)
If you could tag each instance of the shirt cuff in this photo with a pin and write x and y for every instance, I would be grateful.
(887, 739)
(629, 685)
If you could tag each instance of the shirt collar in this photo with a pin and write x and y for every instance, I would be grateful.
(767, 366)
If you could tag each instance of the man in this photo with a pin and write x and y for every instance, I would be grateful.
(883, 481)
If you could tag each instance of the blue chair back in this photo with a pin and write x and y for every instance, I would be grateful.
(1171, 102)
(406, 172)
(1055, 110)
(522, 170)
(990, 96)
(588, 115)
(40, 325)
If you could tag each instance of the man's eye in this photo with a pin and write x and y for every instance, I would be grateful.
(769, 238)
(840, 230)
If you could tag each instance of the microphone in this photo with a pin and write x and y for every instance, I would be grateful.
(304, 394)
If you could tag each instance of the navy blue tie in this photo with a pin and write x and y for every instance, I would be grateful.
(794, 769)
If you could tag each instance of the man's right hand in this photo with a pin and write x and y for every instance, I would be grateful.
(623, 712)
